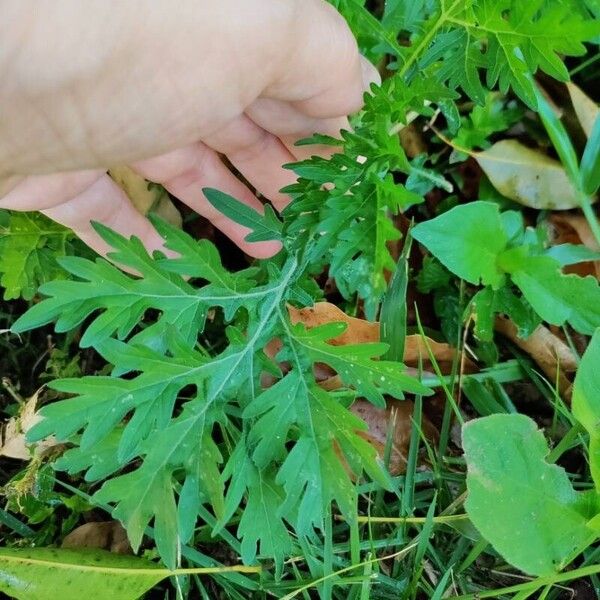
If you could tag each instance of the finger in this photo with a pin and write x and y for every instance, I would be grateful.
(290, 125)
(258, 155)
(105, 202)
(38, 192)
(7, 184)
(185, 172)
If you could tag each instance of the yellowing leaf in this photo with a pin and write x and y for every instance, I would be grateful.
(585, 108)
(145, 199)
(527, 176)
(51, 574)
(398, 415)
(13, 435)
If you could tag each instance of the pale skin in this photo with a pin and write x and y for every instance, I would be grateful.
(167, 87)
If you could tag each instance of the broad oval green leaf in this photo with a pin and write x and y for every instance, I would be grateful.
(61, 574)
(556, 297)
(527, 176)
(586, 401)
(65, 574)
(467, 240)
(525, 507)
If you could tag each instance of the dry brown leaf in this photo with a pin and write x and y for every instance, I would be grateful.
(105, 535)
(527, 176)
(585, 108)
(574, 229)
(13, 432)
(411, 139)
(360, 331)
(144, 199)
(549, 352)
(398, 412)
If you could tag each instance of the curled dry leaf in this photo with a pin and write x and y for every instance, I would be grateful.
(398, 412)
(585, 108)
(397, 415)
(360, 331)
(527, 176)
(550, 353)
(145, 199)
(568, 228)
(13, 432)
(104, 535)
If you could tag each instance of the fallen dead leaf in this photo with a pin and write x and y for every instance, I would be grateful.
(585, 108)
(549, 352)
(527, 176)
(13, 432)
(105, 535)
(568, 228)
(399, 414)
(360, 331)
(412, 140)
(143, 198)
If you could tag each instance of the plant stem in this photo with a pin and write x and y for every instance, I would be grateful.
(413, 520)
(590, 215)
(565, 443)
(534, 584)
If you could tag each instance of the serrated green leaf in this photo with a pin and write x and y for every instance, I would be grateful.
(261, 527)
(355, 365)
(264, 227)
(525, 507)
(123, 299)
(29, 246)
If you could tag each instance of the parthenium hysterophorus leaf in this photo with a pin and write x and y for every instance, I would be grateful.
(176, 396)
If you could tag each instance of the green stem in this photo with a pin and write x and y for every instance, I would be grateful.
(424, 42)
(565, 442)
(590, 215)
(584, 65)
(533, 584)
(413, 520)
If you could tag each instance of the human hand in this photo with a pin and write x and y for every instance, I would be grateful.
(166, 87)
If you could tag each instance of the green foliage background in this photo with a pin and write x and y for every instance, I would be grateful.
(183, 433)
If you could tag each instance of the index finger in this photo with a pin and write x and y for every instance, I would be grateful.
(324, 76)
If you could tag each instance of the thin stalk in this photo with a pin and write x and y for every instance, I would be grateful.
(590, 215)
(534, 584)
